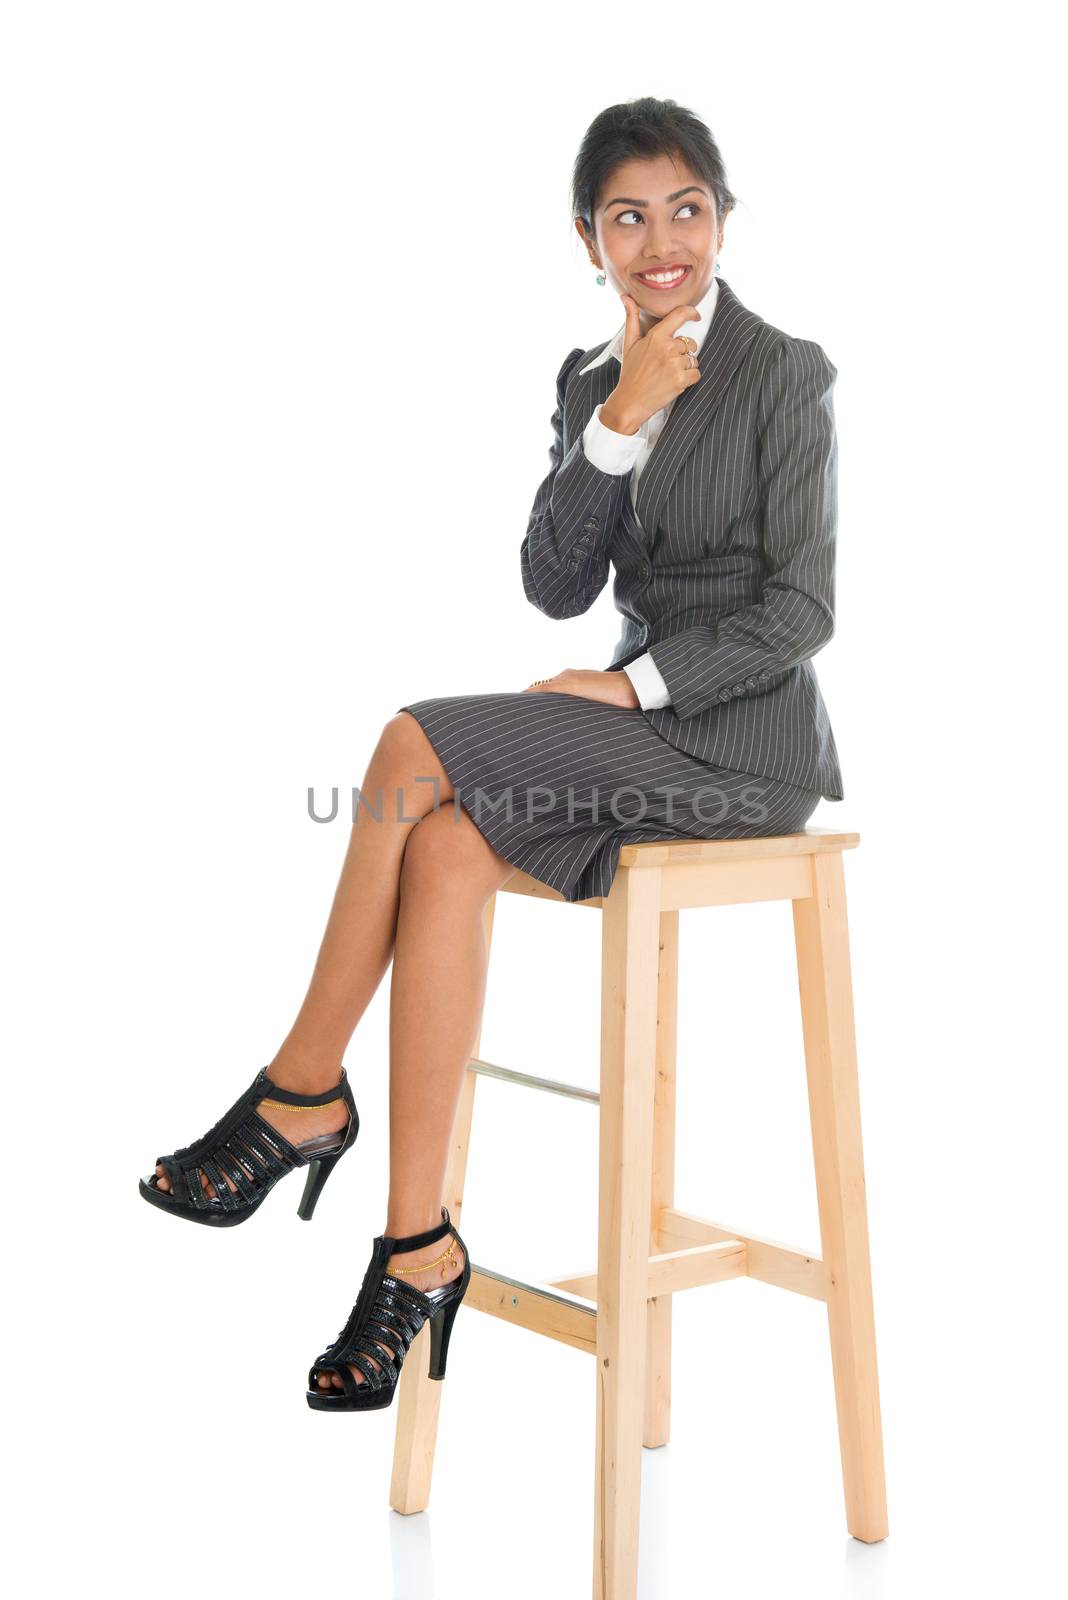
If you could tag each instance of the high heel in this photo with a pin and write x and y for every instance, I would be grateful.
(383, 1324)
(250, 1151)
(318, 1172)
(440, 1330)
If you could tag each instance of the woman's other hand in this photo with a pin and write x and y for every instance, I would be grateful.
(655, 369)
(613, 688)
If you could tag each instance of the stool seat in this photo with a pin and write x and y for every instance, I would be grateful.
(807, 842)
(649, 1249)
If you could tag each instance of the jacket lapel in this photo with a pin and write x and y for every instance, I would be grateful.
(733, 329)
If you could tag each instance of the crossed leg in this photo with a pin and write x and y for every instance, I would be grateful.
(413, 892)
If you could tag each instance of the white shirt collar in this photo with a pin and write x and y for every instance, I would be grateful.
(694, 330)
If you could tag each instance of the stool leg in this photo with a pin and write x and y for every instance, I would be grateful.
(822, 938)
(629, 970)
(657, 1429)
(418, 1399)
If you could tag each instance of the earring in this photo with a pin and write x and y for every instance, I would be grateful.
(601, 279)
(717, 263)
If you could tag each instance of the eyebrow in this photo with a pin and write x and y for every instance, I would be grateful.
(621, 200)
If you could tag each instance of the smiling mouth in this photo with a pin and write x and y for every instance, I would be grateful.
(664, 278)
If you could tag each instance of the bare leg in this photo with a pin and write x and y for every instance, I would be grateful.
(358, 942)
(436, 996)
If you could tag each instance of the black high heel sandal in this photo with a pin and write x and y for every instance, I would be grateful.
(245, 1148)
(389, 1309)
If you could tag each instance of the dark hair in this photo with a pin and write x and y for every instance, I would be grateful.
(644, 127)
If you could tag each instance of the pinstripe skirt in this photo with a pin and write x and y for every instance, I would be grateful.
(557, 783)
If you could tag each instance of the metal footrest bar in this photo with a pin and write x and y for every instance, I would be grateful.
(537, 1306)
(528, 1081)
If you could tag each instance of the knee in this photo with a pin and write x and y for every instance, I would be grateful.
(405, 759)
(445, 852)
(402, 739)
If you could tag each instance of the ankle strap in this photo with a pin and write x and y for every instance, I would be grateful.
(416, 1241)
(288, 1097)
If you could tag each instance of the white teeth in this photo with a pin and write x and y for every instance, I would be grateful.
(663, 277)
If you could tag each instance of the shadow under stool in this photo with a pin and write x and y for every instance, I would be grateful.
(648, 1249)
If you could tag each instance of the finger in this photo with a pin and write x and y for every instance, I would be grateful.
(665, 328)
(687, 356)
(633, 330)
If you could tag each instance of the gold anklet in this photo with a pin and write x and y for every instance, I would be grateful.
(449, 1258)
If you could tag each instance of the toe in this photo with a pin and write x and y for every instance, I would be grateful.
(162, 1180)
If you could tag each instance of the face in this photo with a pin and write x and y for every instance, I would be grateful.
(653, 215)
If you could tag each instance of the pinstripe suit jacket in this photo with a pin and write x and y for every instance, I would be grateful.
(726, 571)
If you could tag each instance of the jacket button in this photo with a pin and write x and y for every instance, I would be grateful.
(739, 688)
(590, 524)
(751, 683)
(724, 694)
(644, 571)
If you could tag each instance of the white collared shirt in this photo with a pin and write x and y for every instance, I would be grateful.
(628, 452)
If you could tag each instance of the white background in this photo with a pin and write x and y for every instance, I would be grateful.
(285, 290)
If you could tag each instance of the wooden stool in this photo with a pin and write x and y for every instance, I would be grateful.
(647, 1249)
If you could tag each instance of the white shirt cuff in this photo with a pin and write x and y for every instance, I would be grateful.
(608, 450)
(648, 683)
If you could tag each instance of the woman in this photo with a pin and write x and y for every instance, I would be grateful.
(695, 453)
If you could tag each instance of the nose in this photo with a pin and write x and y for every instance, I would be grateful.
(661, 248)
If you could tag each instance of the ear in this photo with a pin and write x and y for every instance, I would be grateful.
(580, 230)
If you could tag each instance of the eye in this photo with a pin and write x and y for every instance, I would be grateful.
(688, 205)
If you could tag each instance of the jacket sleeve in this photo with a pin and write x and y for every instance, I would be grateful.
(565, 549)
(746, 651)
